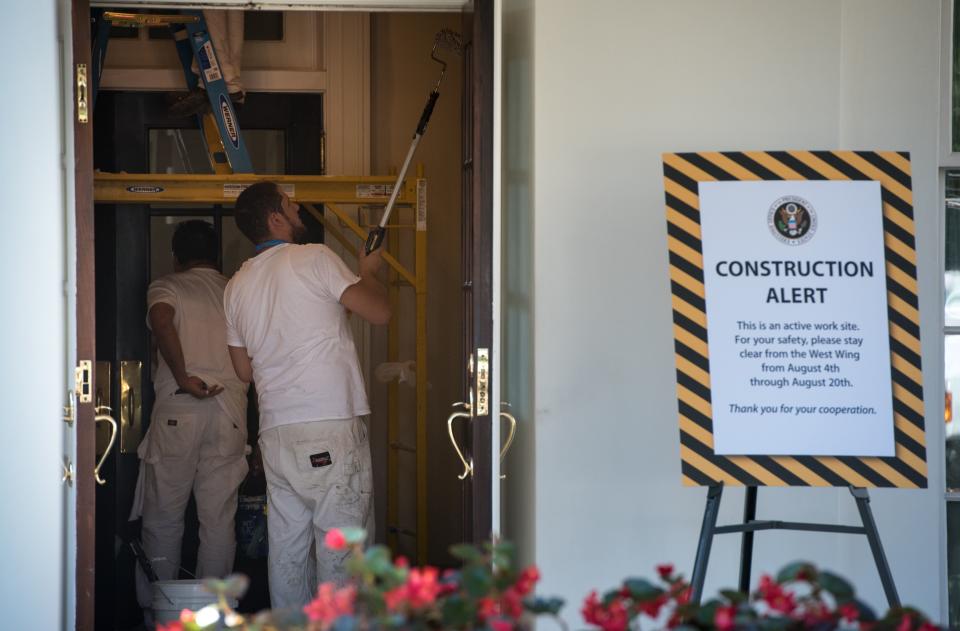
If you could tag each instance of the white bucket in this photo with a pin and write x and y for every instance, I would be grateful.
(172, 597)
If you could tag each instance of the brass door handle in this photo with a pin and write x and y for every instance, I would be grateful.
(105, 418)
(467, 466)
(510, 436)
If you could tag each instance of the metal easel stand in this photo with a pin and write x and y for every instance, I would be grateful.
(751, 525)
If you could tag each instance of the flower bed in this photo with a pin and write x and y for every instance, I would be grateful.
(488, 592)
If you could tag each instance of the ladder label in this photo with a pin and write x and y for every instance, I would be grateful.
(421, 205)
(229, 124)
(208, 63)
(374, 190)
(232, 190)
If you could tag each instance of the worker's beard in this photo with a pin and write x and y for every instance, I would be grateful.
(300, 234)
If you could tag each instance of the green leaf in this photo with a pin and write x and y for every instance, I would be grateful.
(706, 613)
(642, 589)
(733, 597)
(774, 623)
(235, 586)
(793, 571)
(539, 605)
(838, 587)
(457, 611)
(354, 535)
(466, 553)
(378, 560)
(477, 581)
(866, 612)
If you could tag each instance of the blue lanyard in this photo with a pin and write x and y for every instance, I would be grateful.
(260, 247)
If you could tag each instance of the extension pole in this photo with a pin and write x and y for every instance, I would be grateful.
(375, 238)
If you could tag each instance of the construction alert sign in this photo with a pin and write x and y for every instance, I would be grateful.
(796, 318)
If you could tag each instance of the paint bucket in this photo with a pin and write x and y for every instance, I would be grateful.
(172, 597)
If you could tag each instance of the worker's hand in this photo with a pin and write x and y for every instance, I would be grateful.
(196, 387)
(371, 263)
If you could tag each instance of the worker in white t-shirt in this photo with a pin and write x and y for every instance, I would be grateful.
(197, 440)
(288, 331)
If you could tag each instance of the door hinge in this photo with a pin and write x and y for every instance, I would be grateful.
(82, 102)
(70, 408)
(67, 472)
(83, 376)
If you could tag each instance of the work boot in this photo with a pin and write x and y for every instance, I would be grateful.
(197, 102)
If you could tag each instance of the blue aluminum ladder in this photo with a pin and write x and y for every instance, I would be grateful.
(193, 42)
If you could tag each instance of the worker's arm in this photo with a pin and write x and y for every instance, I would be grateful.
(368, 298)
(241, 363)
(168, 341)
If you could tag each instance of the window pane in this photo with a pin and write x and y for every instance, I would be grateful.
(955, 81)
(953, 564)
(952, 248)
(185, 151)
(951, 373)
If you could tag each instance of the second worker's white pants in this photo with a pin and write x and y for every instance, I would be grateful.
(191, 446)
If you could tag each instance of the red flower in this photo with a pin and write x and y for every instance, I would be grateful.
(927, 626)
(335, 539)
(487, 608)
(175, 625)
(422, 586)
(512, 603)
(849, 612)
(665, 571)
(420, 590)
(527, 580)
(906, 623)
(401, 561)
(500, 624)
(330, 604)
(775, 596)
(652, 607)
(613, 617)
(724, 618)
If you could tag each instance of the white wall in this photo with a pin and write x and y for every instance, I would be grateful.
(615, 84)
(32, 329)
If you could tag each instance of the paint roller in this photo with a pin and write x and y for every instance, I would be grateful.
(445, 40)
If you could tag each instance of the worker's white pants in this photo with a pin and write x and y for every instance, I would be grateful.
(318, 477)
(226, 31)
(192, 445)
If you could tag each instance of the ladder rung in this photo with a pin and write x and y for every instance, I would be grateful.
(403, 447)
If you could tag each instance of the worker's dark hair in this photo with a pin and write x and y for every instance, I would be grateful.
(195, 241)
(254, 206)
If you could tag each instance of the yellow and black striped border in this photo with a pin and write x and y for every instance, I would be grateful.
(682, 173)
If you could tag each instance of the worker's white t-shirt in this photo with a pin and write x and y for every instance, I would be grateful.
(196, 296)
(283, 306)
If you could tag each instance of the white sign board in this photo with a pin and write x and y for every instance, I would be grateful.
(796, 305)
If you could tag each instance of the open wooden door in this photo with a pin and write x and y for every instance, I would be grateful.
(84, 413)
(477, 266)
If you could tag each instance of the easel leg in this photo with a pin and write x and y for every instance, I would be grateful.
(706, 539)
(746, 546)
(866, 515)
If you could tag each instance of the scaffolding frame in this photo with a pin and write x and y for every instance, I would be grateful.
(332, 192)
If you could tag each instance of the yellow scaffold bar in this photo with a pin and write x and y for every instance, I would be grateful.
(159, 188)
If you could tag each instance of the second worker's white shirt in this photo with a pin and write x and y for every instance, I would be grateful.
(283, 307)
(196, 296)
